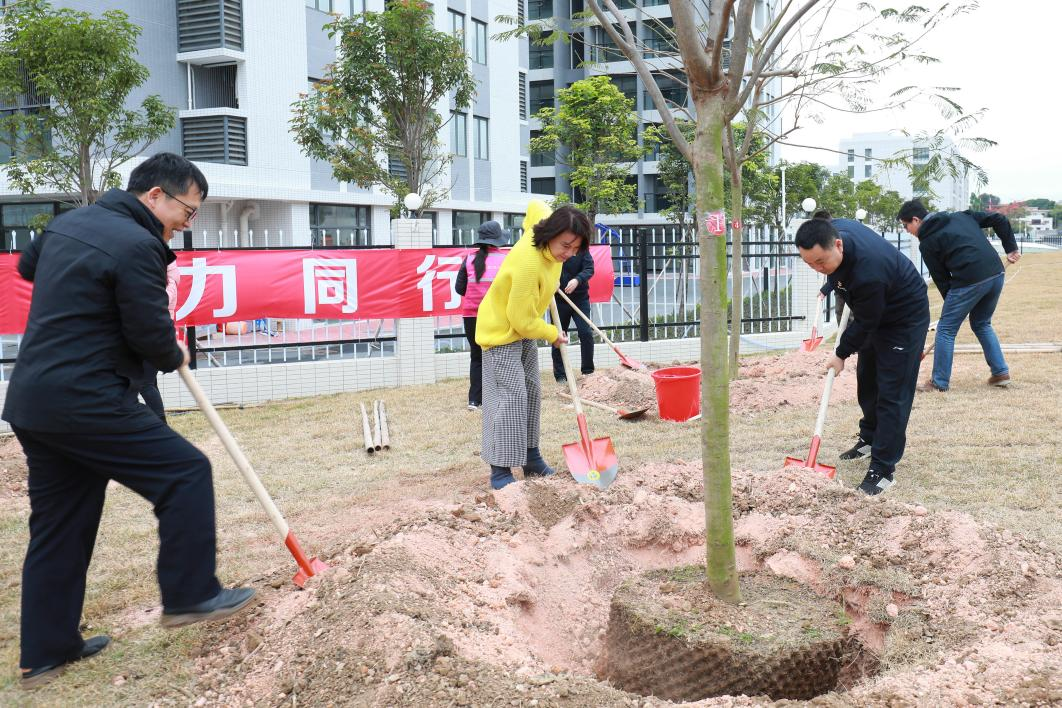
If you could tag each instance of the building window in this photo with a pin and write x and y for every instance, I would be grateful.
(396, 166)
(544, 185)
(672, 88)
(867, 170)
(659, 35)
(523, 176)
(322, 5)
(539, 9)
(851, 171)
(578, 49)
(15, 222)
(540, 56)
(540, 159)
(627, 84)
(541, 93)
(481, 137)
(920, 154)
(521, 14)
(458, 134)
(514, 224)
(466, 223)
(851, 154)
(457, 24)
(479, 42)
(522, 94)
(339, 225)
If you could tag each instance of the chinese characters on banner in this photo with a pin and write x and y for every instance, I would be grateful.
(223, 286)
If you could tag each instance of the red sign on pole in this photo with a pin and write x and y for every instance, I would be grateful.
(715, 223)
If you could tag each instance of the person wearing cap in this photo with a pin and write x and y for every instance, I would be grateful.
(509, 323)
(473, 280)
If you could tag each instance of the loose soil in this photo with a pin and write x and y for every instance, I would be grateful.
(766, 383)
(504, 600)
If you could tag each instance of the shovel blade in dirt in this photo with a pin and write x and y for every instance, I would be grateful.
(811, 343)
(598, 467)
(812, 463)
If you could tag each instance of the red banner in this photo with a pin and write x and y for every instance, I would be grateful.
(223, 286)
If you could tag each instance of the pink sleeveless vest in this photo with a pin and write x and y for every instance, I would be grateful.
(475, 291)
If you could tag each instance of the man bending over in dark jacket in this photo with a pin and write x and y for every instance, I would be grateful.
(890, 318)
(969, 275)
(99, 312)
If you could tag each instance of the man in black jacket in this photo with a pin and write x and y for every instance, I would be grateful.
(890, 318)
(575, 281)
(99, 312)
(969, 275)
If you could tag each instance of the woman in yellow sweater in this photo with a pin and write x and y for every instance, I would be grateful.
(508, 325)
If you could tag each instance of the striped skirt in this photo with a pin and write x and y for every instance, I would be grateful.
(512, 402)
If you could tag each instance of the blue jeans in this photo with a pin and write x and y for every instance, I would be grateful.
(979, 302)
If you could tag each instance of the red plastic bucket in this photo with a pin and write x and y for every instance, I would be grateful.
(678, 392)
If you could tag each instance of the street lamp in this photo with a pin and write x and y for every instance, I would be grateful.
(413, 201)
(861, 214)
(808, 205)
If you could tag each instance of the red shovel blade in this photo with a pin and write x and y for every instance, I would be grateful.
(811, 343)
(828, 471)
(630, 363)
(591, 461)
(315, 565)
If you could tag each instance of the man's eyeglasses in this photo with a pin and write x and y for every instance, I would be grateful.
(192, 211)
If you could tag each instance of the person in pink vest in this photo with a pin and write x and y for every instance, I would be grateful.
(473, 280)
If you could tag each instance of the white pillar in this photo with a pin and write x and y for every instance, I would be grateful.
(415, 349)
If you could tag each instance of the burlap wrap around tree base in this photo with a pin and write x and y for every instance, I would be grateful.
(669, 637)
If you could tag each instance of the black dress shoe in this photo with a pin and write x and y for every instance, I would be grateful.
(35, 678)
(225, 604)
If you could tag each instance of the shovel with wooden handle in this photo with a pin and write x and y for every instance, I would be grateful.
(308, 567)
(591, 461)
(618, 412)
(624, 359)
(813, 341)
(812, 462)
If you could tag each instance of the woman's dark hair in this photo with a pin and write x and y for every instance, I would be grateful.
(566, 218)
(173, 173)
(816, 232)
(479, 263)
(822, 214)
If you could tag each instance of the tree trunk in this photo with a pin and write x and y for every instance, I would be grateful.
(737, 270)
(707, 151)
(85, 175)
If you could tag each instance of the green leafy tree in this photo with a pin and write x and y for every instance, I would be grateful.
(984, 201)
(838, 196)
(376, 106)
(593, 131)
(1040, 203)
(802, 180)
(85, 66)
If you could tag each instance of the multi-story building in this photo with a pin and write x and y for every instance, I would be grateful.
(557, 66)
(234, 67)
(861, 155)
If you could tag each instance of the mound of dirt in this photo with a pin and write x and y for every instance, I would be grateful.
(13, 468)
(504, 600)
(766, 382)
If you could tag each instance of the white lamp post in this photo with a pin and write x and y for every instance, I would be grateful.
(808, 204)
(413, 202)
(861, 214)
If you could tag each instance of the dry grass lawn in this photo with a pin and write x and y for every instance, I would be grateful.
(990, 452)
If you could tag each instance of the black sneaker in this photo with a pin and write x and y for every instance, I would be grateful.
(859, 450)
(35, 678)
(876, 482)
(225, 604)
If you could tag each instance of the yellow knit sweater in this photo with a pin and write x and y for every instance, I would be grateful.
(513, 307)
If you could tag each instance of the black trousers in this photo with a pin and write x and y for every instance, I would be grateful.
(475, 364)
(886, 376)
(68, 475)
(586, 334)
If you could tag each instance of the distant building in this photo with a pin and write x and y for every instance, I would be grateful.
(1035, 221)
(861, 157)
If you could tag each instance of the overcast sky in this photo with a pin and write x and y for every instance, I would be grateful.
(1005, 57)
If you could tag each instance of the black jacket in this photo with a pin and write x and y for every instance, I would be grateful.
(99, 312)
(955, 250)
(581, 267)
(879, 284)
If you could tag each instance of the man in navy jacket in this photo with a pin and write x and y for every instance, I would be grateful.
(890, 318)
(969, 275)
(575, 281)
(99, 312)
